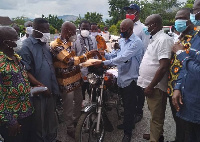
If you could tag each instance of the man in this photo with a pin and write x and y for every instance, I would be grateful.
(195, 15)
(186, 91)
(84, 43)
(38, 61)
(16, 108)
(153, 74)
(28, 29)
(175, 66)
(101, 44)
(68, 74)
(127, 61)
(133, 13)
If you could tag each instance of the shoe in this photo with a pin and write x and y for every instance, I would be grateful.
(71, 133)
(121, 126)
(126, 138)
(147, 137)
(138, 118)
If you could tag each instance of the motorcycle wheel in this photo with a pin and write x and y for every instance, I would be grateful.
(86, 128)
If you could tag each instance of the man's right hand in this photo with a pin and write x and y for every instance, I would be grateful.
(177, 99)
(14, 129)
(94, 53)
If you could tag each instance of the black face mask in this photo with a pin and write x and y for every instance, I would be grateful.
(125, 34)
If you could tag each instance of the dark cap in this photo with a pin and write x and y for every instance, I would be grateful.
(132, 6)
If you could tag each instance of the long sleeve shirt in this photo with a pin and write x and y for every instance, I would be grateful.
(127, 60)
(188, 82)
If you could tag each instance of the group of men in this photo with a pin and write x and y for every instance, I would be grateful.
(149, 64)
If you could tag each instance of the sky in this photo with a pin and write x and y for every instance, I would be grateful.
(35, 8)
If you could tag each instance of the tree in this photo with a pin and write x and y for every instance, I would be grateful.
(93, 17)
(116, 10)
(113, 30)
(20, 20)
(54, 21)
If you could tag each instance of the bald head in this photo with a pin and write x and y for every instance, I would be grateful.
(196, 4)
(7, 33)
(183, 14)
(68, 29)
(127, 23)
(28, 24)
(154, 18)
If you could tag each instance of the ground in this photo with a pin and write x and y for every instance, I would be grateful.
(141, 128)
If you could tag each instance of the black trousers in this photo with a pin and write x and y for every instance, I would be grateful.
(129, 95)
(193, 130)
(181, 131)
(23, 136)
(140, 100)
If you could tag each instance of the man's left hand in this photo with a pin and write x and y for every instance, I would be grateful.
(177, 46)
(148, 91)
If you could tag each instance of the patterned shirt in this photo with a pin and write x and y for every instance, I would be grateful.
(14, 90)
(176, 65)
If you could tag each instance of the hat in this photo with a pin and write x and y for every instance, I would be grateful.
(132, 6)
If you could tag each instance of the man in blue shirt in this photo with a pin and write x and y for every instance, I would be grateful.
(127, 60)
(186, 98)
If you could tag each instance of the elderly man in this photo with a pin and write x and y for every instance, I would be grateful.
(127, 60)
(133, 13)
(153, 74)
(16, 108)
(186, 97)
(38, 61)
(68, 73)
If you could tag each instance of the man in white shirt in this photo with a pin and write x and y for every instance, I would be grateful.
(153, 74)
(133, 13)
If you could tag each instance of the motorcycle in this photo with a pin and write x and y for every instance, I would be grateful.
(93, 121)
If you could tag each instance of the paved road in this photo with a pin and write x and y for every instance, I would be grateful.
(141, 128)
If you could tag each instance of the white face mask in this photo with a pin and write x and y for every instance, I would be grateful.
(73, 38)
(29, 30)
(85, 33)
(94, 34)
(45, 37)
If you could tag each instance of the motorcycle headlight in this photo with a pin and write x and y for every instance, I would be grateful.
(92, 78)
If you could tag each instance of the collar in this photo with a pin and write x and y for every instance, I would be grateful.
(15, 54)
(157, 34)
(34, 41)
(132, 37)
(137, 22)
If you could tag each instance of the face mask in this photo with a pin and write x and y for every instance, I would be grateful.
(193, 19)
(130, 16)
(73, 38)
(29, 30)
(124, 34)
(45, 37)
(85, 33)
(180, 25)
(145, 29)
(94, 34)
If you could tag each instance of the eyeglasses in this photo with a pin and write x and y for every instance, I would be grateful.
(148, 26)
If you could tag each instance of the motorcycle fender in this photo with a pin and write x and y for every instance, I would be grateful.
(88, 108)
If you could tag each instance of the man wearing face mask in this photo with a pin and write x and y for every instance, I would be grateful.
(175, 65)
(133, 13)
(28, 29)
(186, 91)
(68, 74)
(84, 43)
(37, 58)
(16, 108)
(195, 14)
(153, 75)
(127, 60)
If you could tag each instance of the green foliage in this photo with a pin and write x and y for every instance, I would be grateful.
(54, 21)
(116, 10)
(78, 21)
(113, 30)
(52, 29)
(20, 20)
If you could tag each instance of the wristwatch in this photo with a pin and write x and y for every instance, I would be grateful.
(179, 52)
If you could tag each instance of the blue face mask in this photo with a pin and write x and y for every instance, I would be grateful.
(193, 20)
(180, 25)
(145, 29)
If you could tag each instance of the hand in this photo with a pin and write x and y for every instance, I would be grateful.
(14, 129)
(102, 53)
(97, 63)
(177, 46)
(148, 91)
(177, 99)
